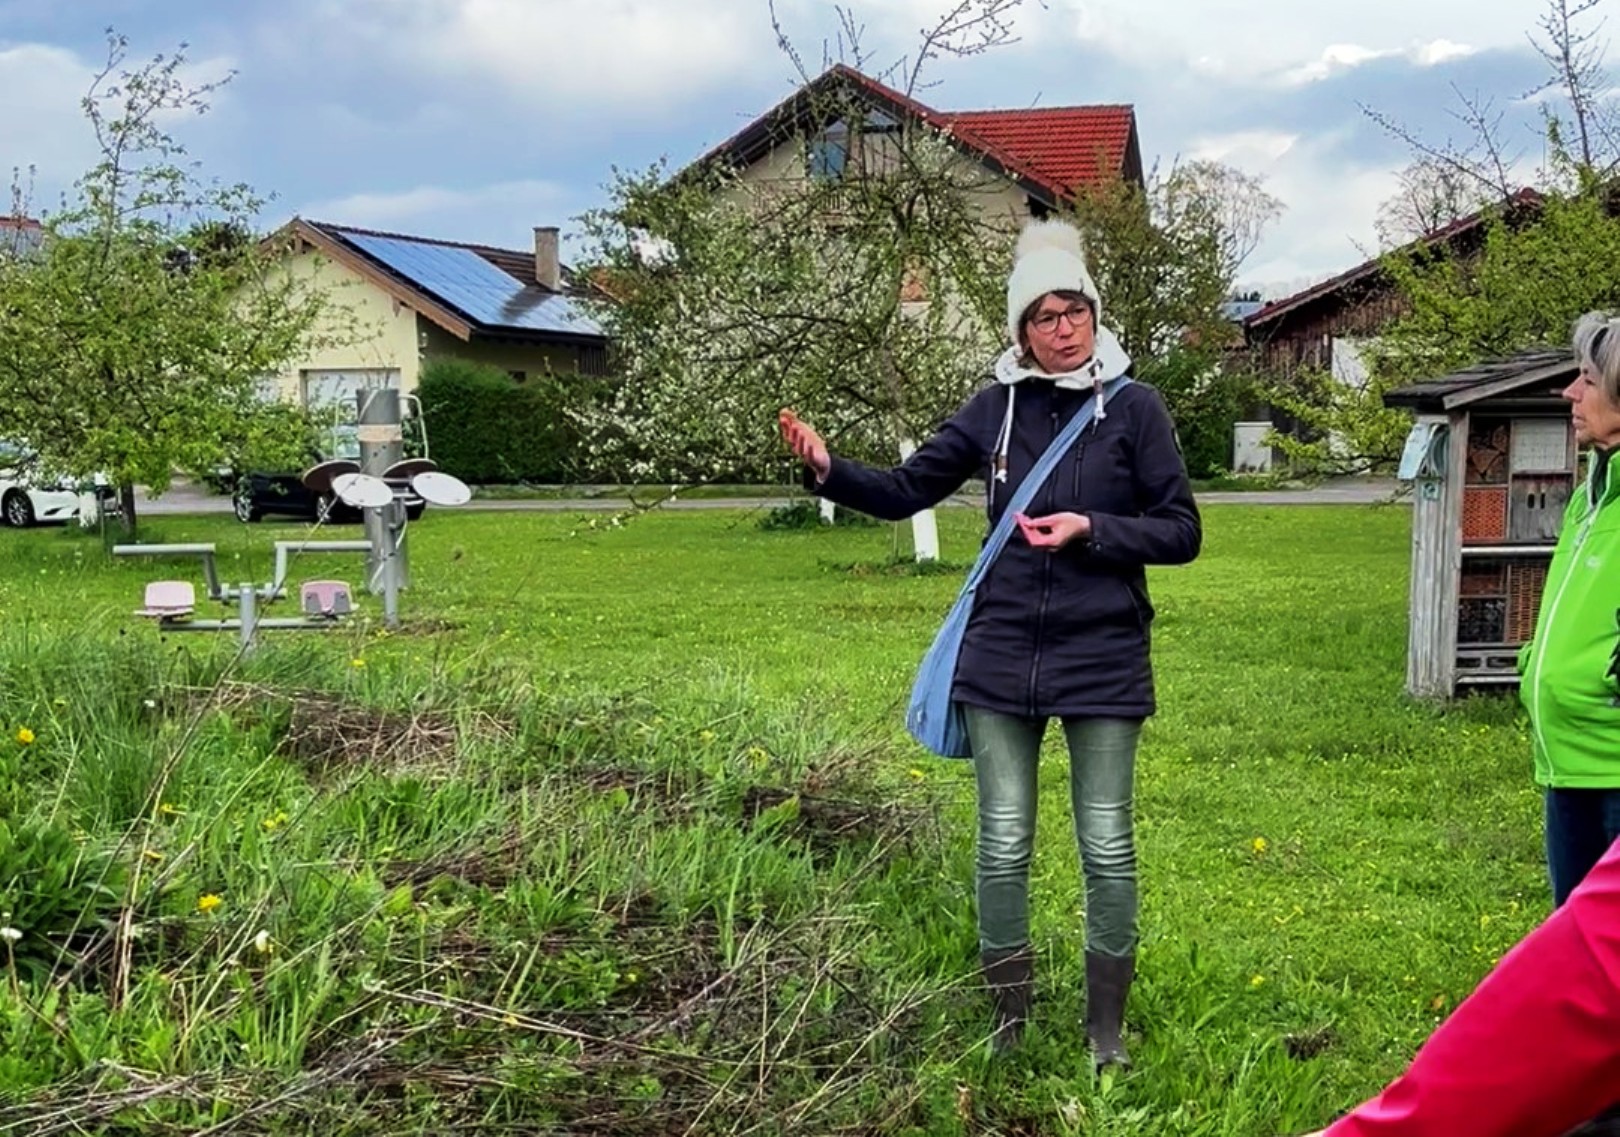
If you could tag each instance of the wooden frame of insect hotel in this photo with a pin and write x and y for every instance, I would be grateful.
(1493, 461)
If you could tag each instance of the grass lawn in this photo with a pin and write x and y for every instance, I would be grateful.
(621, 835)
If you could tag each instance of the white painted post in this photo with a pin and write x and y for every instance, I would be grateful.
(924, 529)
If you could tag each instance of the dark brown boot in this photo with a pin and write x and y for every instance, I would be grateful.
(1108, 983)
(1010, 975)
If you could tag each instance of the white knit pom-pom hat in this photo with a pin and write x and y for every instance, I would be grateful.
(1050, 257)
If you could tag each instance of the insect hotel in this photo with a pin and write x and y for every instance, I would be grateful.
(1492, 459)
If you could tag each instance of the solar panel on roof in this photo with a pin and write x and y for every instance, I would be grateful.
(473, 286)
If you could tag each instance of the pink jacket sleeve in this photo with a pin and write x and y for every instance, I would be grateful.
(1535, 1050)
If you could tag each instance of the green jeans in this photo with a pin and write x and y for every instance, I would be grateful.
(1102, 764)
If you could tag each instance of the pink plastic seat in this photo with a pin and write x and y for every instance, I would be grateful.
(169, 600)
(328, 598)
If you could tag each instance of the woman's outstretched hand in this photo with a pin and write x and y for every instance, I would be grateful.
(806, 443)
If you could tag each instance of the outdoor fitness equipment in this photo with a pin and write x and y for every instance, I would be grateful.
(173, 603)
(375, 485)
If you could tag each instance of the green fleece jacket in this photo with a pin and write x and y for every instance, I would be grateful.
(1571, 667)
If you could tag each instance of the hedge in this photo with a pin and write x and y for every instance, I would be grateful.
(487, 429)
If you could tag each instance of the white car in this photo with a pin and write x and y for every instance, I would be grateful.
(26, 501)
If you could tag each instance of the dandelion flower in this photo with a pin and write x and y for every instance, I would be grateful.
(24, 735)
(1260, 845)
(357, 662)
(208, 902)
(169, 809)
(9, 934)
(1257, 981)
(915, 773)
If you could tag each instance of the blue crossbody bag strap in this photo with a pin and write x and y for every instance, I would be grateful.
(933, 718)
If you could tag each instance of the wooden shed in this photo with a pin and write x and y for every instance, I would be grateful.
(1493, 460)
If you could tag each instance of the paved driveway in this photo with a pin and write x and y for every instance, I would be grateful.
(185, 497)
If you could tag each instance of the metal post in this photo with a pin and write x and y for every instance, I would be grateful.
(382, 443)
(247, 608)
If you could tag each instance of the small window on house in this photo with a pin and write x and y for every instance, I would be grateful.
(519, 376)
(828, 153)
(593, 360)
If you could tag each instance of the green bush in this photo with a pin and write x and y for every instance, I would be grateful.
(1206, 401)
(484, 428)
(807, 515)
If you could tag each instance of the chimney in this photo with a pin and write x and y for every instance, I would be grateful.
(547, 268)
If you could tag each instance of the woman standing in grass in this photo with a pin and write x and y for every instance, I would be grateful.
(1571, 666)
(1060, 626)
(1537, 1047)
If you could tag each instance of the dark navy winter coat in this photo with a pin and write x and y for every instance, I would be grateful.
(1062, 633)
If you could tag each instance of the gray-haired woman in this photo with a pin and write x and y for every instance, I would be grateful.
(1571, 666)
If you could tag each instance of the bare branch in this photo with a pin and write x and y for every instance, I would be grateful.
(1490, 174)
(971, 28)
(1576, 60)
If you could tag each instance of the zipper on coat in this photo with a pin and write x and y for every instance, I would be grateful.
(1046, 589)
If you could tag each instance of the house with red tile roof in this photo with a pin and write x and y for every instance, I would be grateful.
(1037, 159)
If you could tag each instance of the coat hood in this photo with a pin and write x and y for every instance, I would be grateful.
(1108, 361)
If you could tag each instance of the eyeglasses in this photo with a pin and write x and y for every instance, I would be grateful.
(1046, 322)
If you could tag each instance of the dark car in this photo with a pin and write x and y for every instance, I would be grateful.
(257, 493)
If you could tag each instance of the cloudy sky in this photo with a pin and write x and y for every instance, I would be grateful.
(478, 119)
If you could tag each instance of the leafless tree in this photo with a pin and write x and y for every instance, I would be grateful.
(1236, 203)
(1432, 195)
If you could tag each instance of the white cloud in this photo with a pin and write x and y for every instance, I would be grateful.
(42, 126)
(645, 53)
(1257, 41)
(1334, 60)
(501, 214)
(1339, 58)
(1331, 204)
(1246, 149)
(1441, 51)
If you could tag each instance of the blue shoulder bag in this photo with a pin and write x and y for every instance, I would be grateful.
(933, 718)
